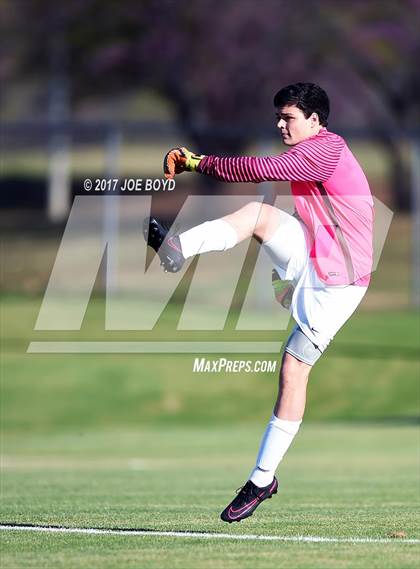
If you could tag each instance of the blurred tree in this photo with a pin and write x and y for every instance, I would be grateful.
(379, 41)
(220, 62)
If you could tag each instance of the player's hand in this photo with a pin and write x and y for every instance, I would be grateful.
(283, 290)
(179, 160)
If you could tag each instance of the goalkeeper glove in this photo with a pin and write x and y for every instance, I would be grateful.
(179, 160)
(283, 290)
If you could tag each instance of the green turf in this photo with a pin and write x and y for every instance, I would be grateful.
(369, 372)
(142, 442)
(337, 481)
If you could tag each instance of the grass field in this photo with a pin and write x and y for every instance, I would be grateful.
(369, 372)
(141, 442)
(339, 481)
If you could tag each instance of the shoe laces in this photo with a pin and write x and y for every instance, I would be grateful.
(248, 490)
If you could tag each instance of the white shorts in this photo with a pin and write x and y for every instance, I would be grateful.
(319, 310)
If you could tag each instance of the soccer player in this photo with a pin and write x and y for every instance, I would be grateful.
(325, 248)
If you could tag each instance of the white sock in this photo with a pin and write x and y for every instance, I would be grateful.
(217, 235)
(277, 438)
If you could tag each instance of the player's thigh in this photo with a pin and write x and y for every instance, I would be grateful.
(285, 243)
(256, 218)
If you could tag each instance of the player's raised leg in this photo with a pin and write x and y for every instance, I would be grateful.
(260, 220)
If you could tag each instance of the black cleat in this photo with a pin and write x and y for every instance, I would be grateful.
(168, 249)
(248, 499)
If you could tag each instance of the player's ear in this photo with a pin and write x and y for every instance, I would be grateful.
(314, 118)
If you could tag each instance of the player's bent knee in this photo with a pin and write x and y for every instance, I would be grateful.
(244, 219)
(253, 211)
(268, 220)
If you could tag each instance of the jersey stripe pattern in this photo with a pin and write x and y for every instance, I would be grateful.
(331, 195)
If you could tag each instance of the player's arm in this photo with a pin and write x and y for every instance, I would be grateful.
(290, 166)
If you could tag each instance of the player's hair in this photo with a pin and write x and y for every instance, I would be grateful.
(307, 97)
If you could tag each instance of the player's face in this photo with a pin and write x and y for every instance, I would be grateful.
(294, 126)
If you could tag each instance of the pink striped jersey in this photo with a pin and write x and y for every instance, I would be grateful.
(332, 199)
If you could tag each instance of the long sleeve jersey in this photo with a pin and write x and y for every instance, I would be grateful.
(331, 195)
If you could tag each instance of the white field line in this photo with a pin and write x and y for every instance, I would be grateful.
(204, 535)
